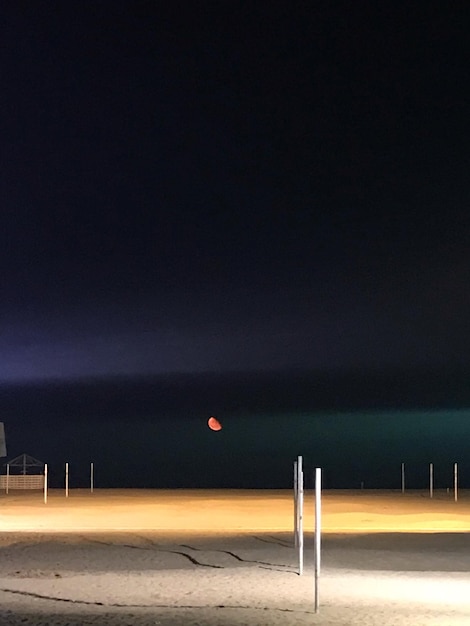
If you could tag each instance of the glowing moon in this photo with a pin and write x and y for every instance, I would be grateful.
(214, 423)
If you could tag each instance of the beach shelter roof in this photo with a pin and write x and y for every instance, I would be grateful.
(26, 462)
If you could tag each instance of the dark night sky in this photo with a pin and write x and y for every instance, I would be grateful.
(194, 186)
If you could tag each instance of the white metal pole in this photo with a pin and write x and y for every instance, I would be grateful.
(8, 477)
(45, 483)
(299, 471)
(296, 513)
(91, 477)
(403, 478)
(317, 554)
(455, 482)
(431, 480)
(300, 482)
(66, 480)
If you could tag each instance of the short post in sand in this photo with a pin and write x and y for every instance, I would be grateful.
(317, 552)
(66, 480)
(8, 478)
(403, 478)
(431, 480)
(455, 482)
(45, 483)
(91, 476)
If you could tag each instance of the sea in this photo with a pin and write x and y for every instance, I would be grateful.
(364, 429)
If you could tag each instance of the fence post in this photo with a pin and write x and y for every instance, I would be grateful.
(455, 482)
(317, 553)
(45, 483)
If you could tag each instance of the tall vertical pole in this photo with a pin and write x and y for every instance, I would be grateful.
(66, 480)
(91, 476)
(300, 483)
(8, 477)
(45, 483)
(455, 482)
(296, 512)
(403, 478)
(431, 480)
(317, 553)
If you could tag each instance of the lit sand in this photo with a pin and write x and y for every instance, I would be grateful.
(125, 557)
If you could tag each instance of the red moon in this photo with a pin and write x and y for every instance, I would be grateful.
(214, 424)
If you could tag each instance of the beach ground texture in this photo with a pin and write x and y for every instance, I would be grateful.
(228, 558)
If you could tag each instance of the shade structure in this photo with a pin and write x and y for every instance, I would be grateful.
(214, 423)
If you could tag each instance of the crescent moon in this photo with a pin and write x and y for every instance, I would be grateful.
(214, 423)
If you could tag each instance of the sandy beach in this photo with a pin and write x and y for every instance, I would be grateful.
(143, 557)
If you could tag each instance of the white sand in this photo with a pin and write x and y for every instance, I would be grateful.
(121, 558)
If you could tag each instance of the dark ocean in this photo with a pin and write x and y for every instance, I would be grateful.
(153, 433)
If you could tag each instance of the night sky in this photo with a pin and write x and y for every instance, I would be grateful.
(192, 187)
(253, 210)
